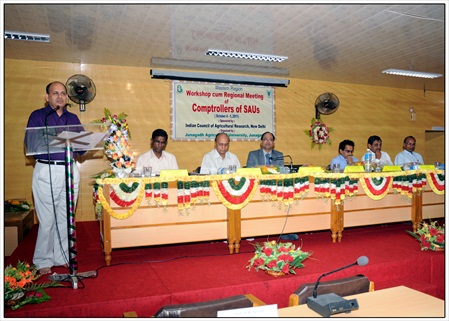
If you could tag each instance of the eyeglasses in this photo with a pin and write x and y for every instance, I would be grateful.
(349, 151)
(159, 142)
(268, 140)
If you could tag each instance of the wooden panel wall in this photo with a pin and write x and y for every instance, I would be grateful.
(364, 111)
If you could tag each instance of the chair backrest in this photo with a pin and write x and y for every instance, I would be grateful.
(342, 287)
(208, 309)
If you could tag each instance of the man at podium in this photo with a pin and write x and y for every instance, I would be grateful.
(49, 183)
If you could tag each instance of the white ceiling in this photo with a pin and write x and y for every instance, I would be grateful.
(349, 43)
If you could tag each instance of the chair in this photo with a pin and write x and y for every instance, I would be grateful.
(208, 309)
(342, 287)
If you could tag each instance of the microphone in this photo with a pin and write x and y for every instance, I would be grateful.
(332, 303)
(68, 105)
(53, 110)
(361, 261)
(279, 158)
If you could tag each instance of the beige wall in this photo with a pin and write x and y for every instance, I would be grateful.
(364, 111)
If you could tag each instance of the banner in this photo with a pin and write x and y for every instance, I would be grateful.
(201, 111)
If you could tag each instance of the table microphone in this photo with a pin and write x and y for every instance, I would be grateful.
(279, 158)
(331, 303)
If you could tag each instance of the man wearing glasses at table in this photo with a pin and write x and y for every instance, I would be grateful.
(266, 155)
(157, 158)
(345, 156)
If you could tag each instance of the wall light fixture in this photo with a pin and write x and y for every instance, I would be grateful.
(411, 73)
(27, 36)
(244, 55)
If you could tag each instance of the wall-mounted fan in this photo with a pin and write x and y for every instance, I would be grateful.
(81, 90)
(326, 104)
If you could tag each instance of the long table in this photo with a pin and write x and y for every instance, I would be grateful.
(396, 302)
(152, 211)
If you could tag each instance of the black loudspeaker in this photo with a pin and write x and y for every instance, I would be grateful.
(327, 304)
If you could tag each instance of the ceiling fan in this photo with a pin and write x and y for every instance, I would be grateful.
(326, 104)
(81, 90)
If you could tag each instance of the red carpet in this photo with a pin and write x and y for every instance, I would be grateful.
(144, 279)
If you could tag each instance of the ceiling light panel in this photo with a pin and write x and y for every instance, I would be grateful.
(26, 36)
(411, 73)
(244, 55)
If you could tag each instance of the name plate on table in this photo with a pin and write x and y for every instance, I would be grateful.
(249, 171)
(307, 170)
(264, 311)
(174, 172)
(391, 168)
(427, 167)
(354, 169)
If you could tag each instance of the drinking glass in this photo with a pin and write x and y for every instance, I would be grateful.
(147, 171)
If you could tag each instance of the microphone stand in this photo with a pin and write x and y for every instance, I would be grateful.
(331, 303)
(291, 161)
(74, 276)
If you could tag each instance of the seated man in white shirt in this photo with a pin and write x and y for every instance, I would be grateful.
(157, 158)
(219, 157)
(408, 155)
(379, 157)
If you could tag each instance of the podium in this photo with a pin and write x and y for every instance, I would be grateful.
(67, 140)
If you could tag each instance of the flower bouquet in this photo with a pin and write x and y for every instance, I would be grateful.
(319, 133)
(277, 258)
(430, 235)
(15, 205)
(19, 286)
(116, 144)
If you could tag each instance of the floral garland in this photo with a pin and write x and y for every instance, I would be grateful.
(123, 194)
(268, 189)
(110, 211)
(234, 195)
(185, 196)
(160, 194)
(409, 184)
(436, 182)
(190, 193)
(319, 133)
(335, 188)
(164, 194)
(376, 187)
(322, 187)
(148, 193)
(301, 186)
(204, 192)
(342, 187)
(284, 190)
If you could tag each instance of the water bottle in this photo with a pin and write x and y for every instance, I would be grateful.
(368, 161)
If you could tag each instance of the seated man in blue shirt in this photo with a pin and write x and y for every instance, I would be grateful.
(344, 158)
(408, 155)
